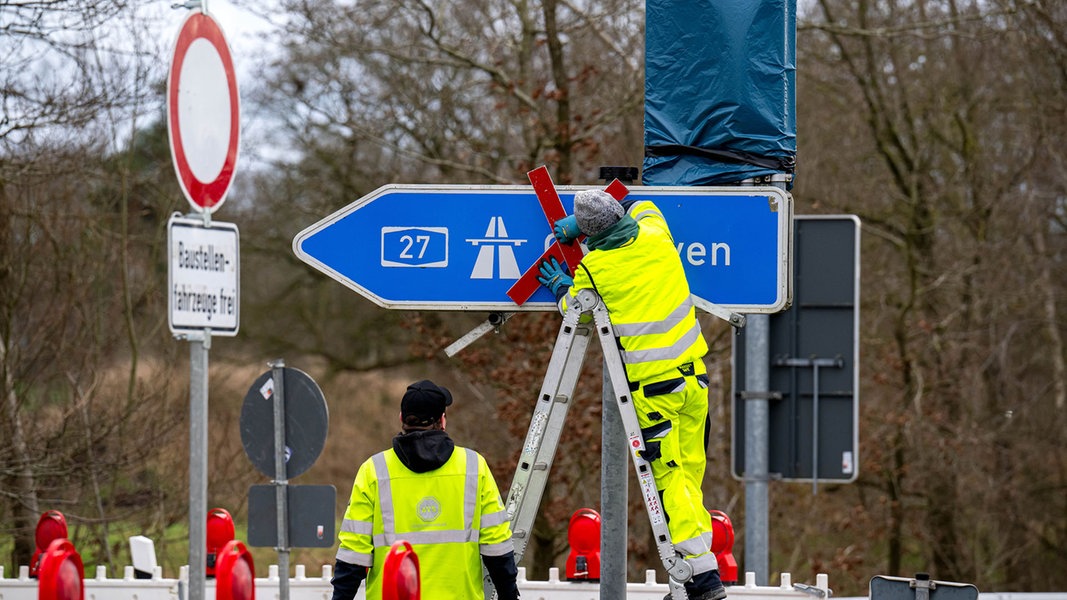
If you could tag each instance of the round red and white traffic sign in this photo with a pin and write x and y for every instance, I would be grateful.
(203, 110)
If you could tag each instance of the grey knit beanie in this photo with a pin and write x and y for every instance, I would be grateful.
(596, 211)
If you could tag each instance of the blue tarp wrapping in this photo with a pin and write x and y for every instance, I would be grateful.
(720, 80)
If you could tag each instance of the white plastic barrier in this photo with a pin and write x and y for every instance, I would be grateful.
(100, 587)
(318, 588)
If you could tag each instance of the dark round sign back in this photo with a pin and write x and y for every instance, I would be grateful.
(306, 422)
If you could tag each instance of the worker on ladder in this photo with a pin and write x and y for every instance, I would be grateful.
(633, 265)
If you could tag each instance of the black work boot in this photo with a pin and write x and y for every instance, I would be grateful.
(706, 586)
(718, 593)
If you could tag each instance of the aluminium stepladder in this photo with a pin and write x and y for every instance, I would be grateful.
(546, 425)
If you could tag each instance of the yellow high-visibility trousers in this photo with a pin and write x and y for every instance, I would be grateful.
(672, 410)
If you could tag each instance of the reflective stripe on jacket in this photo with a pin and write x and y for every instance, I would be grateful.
(450, 515)
(646, 293)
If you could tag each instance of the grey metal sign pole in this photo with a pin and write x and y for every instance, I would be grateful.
(199, 350)
(613, 497)
(280, 482)
(199, 347)
(757, 442)
(757, 505)
(614, 459)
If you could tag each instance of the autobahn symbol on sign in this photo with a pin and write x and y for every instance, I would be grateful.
(448, 247)
(496, 253)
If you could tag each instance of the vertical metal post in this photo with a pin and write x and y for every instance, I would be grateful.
(614, 456)
(757, 445)
(815, 429)
(198, 402)
(281, 488)
(613, 497)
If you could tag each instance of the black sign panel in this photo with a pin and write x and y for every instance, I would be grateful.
(310, 512)
(815, 340)
(306, 422)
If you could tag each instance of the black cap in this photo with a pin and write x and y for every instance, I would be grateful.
(425, 401)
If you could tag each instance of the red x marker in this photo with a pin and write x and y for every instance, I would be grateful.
(569, 254)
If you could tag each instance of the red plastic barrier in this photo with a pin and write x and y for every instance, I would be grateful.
(722, 545)
(61, 574)
(400, 573)
(220, 531)
(583, 534)
(235, 573)
(50, 527)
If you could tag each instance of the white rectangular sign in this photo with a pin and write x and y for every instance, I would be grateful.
(204, 275)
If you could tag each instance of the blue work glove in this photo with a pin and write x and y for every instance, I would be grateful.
(566, 229)
(554, 277)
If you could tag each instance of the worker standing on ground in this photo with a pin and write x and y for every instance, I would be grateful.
(437, 496)
(633, 265)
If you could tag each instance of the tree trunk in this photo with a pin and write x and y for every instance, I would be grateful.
(21, 481)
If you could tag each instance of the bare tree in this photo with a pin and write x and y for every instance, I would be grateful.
(479, 94)
(50, 77)
(941, 164)
(82, 208)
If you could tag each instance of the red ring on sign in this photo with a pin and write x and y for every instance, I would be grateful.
(203, 195)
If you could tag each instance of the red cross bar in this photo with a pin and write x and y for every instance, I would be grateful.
(568, 254)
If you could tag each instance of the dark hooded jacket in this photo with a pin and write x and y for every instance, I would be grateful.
(423, 451)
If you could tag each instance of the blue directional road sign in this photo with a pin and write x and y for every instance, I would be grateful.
(425, 247)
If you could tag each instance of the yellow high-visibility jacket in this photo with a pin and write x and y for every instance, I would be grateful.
(451, 516)
(646, 293)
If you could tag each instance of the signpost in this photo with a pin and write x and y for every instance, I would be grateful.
(203, 127)
(284, 421)
(424, 247)
(787, 419)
